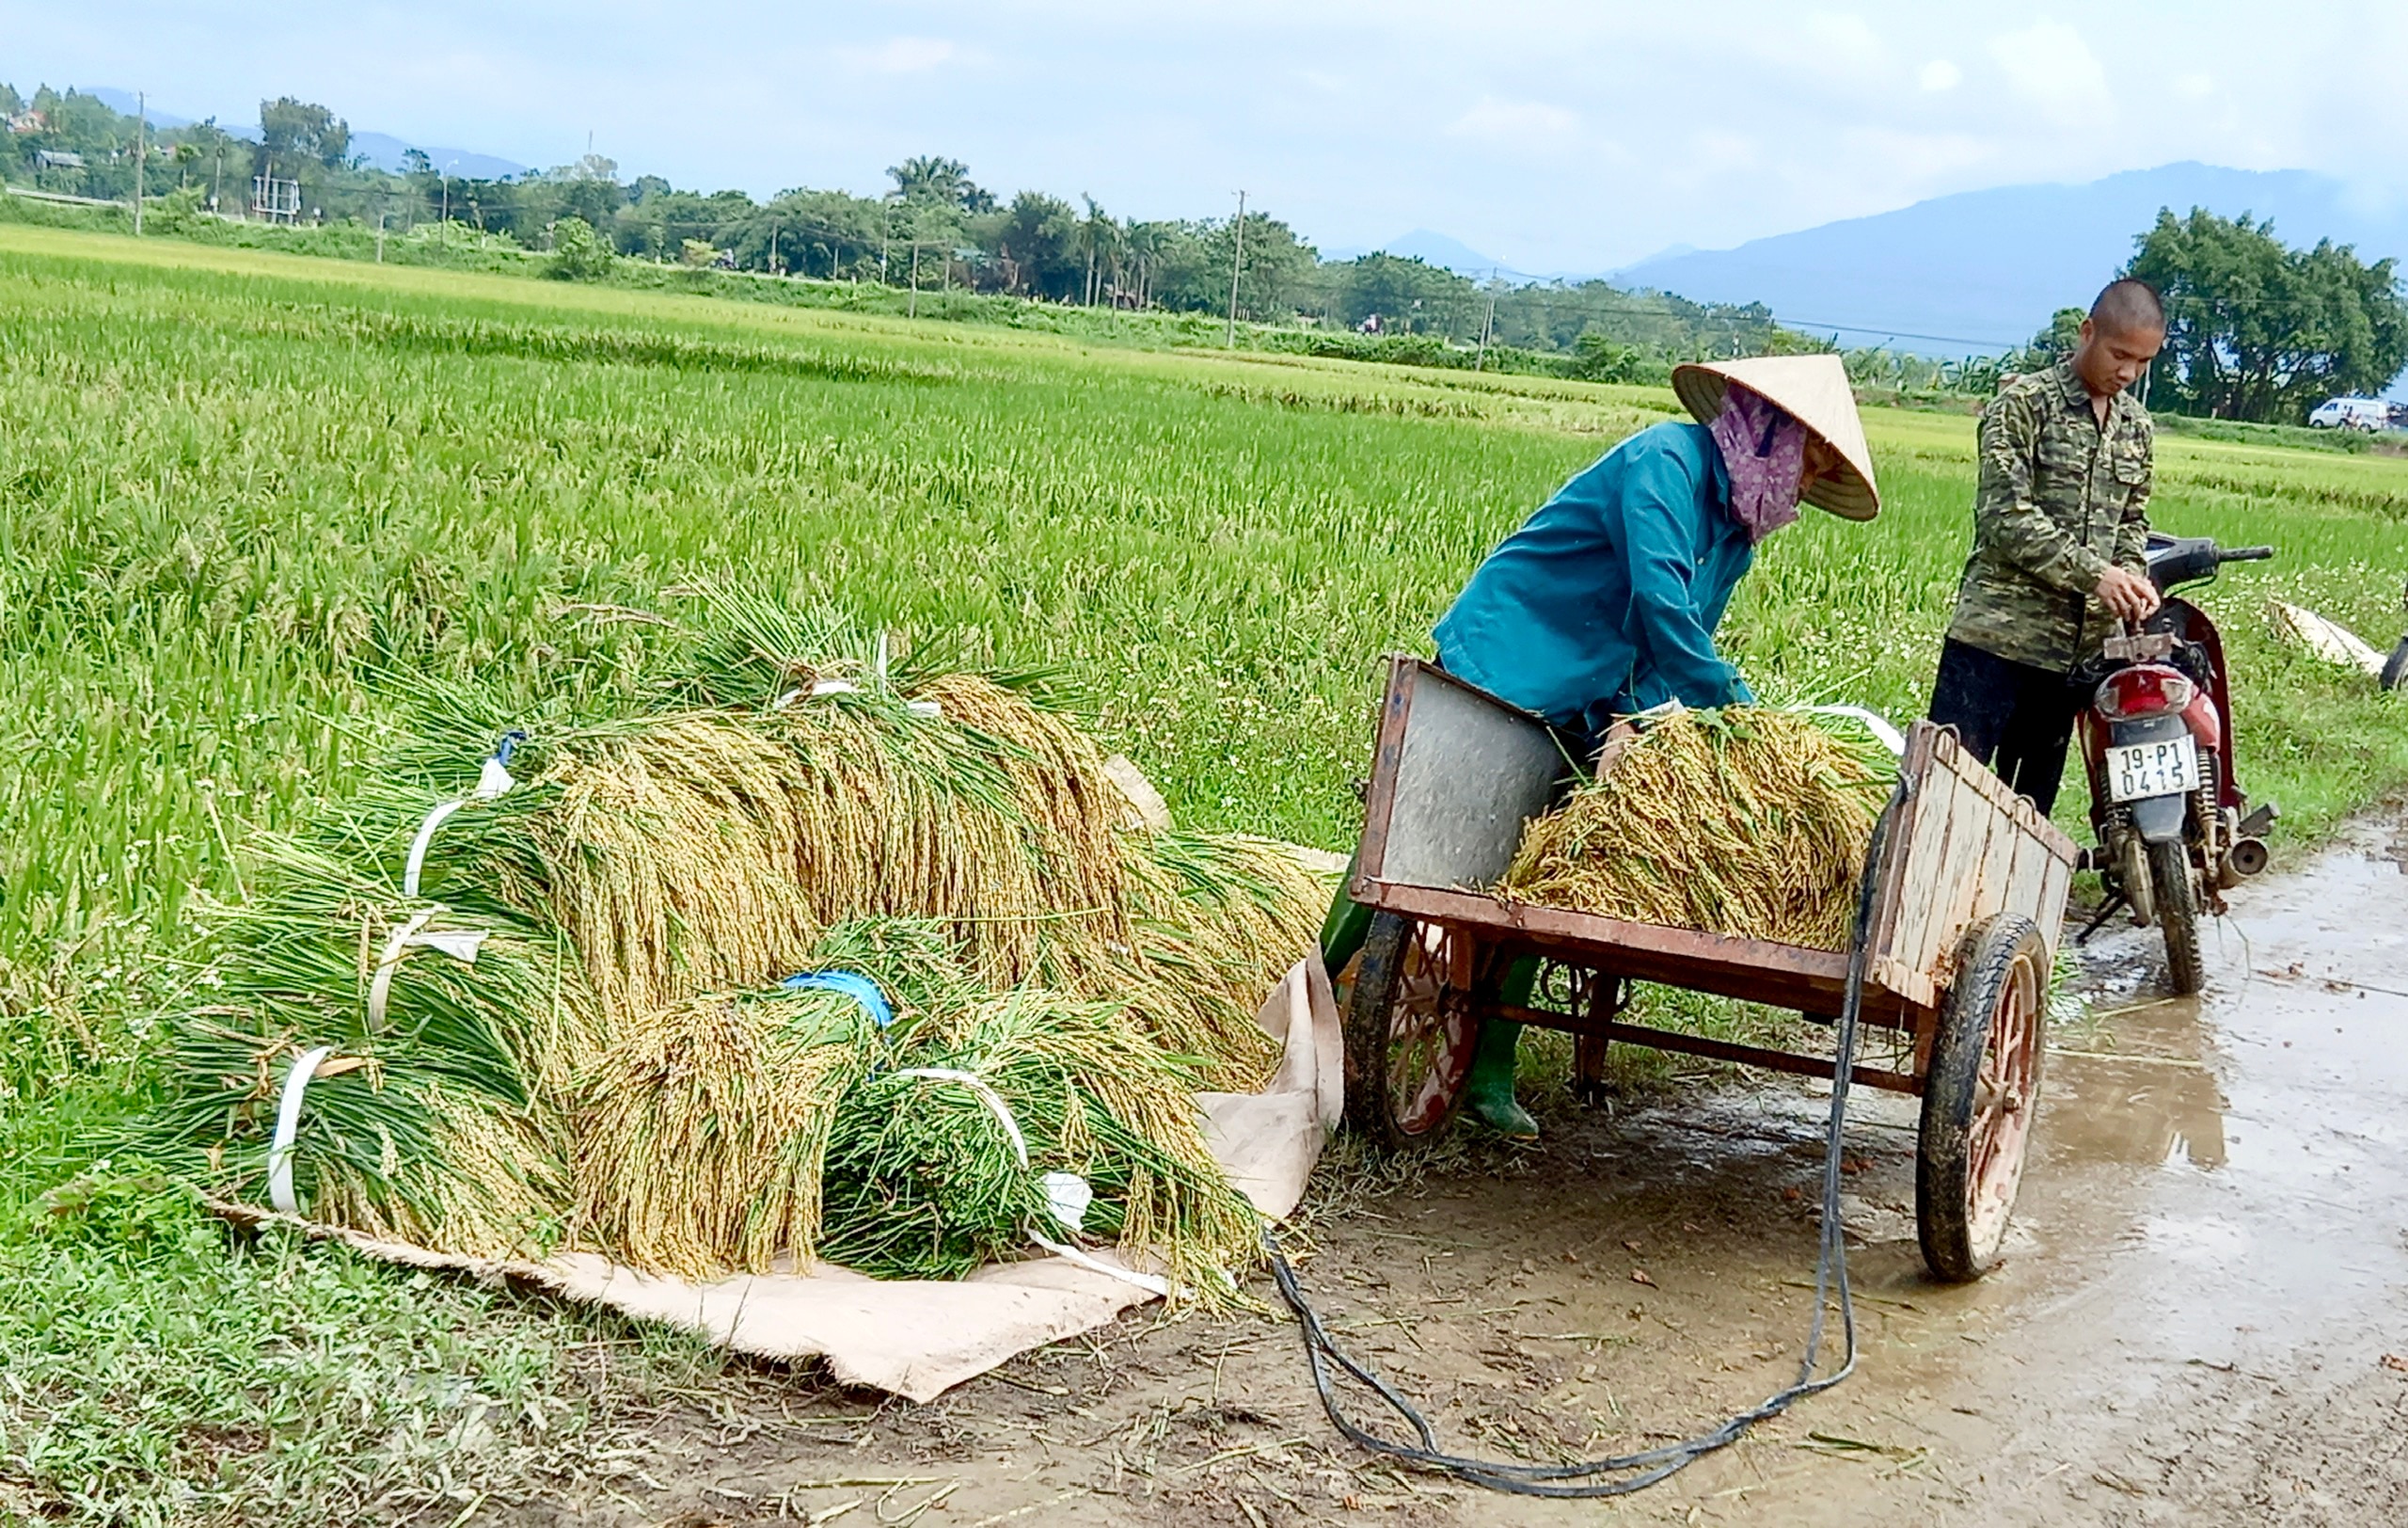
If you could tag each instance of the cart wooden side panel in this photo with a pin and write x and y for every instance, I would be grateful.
(1967, 848)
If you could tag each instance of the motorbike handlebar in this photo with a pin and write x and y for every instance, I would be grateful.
(2244, 554)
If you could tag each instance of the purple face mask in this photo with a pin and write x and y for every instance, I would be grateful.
(1765, 451)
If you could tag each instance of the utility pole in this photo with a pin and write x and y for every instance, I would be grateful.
(141, 124)
(912, 307)
(1237, 263)
(1488, 325)
(774, 247)
(380, 238)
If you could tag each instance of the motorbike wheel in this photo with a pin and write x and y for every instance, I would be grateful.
(2176, 895)
(2394, 668)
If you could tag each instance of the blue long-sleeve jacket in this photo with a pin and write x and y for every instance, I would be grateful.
(1606, 602)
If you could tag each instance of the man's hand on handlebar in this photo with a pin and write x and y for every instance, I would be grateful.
(2127, 595)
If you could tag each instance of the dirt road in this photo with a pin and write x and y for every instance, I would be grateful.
(2203, 1319)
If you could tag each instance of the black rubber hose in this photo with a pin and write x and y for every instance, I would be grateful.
(1637, 1471)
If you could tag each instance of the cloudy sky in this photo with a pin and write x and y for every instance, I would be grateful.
(1553, 135)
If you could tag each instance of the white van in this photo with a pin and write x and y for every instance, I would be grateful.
(2367, 414)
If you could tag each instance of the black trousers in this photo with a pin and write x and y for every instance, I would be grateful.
(2013, 717)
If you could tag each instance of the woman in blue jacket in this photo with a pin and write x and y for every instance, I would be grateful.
(1605, 602)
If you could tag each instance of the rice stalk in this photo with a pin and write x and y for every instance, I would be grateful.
(491, 1183)
(701, 1133)
(1218, 917)
(1747, 821)
(923, 1180)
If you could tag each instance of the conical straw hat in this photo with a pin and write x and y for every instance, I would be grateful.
(1811, 389)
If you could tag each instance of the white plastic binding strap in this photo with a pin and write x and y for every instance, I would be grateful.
(460, 944)
(819, 687)
(879, 672)
(493, 778)
(847, 686)
(287, 1123)
(1873, 722)
(1066, 1194)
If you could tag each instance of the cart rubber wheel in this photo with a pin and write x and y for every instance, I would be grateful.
(2177, 914)
(1979, 1095)
(1409, 1035)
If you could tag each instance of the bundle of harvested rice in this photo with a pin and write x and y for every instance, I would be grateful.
(1212, 915)
(1745, 821)
(427, 1117)
(711, 851)
(771, 811)
(925, 1180)
(699, 1135)
(491, 1183)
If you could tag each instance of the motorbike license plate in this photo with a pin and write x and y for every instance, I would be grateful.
(2139, 769)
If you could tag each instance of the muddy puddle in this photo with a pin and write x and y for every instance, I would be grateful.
(2203, 1317)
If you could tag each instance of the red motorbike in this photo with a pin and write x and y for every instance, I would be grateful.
(2175, 831)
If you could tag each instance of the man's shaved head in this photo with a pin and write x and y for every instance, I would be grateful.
(2123, 334)
(2129, 306)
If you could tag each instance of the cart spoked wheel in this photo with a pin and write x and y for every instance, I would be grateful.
(1410, 1031)
(1979, 1096)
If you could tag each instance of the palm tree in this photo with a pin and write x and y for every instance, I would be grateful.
(933, 177)
(1100, 236)
(1146, 244)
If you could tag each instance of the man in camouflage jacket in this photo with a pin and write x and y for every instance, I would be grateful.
(2060, 521)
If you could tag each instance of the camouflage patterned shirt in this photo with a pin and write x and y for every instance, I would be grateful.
(2061, 498)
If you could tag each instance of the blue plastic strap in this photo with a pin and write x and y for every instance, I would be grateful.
(859, 988)
(508, 745)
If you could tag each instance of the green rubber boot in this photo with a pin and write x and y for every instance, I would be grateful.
(1488, 1092)
(1342, 932)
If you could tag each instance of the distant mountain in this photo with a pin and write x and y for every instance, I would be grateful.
(1430, 249)
(1671, 252)
(124, 101)
(1438, 250)
(381, 151)
(1983, 270)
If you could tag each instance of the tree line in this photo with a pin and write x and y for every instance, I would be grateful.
(935, 228)
(2258, 331)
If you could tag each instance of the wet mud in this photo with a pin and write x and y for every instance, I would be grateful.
(2202, 1317)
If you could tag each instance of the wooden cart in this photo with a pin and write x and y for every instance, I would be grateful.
(1964, 930)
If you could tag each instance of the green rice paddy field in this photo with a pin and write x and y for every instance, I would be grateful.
(243, 497)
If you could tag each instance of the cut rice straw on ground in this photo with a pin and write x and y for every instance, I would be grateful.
(786, 810)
